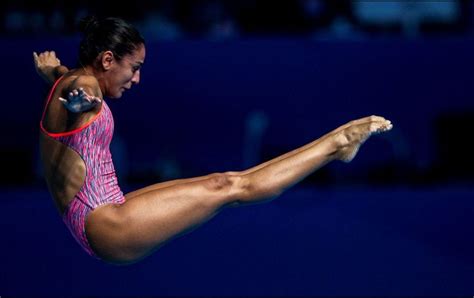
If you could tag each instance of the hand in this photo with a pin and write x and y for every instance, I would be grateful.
(79, 101)
(45, 65)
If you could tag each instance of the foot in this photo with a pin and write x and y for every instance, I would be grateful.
(352, 135)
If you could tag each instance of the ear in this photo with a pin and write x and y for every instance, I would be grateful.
(107, 60)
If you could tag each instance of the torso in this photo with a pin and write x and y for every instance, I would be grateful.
(64, 168)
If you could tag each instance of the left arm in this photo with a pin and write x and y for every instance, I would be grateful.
(48, 66)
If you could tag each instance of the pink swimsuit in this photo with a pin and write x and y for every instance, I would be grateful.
(91, 142)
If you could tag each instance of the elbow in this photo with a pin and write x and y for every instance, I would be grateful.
(60, 70)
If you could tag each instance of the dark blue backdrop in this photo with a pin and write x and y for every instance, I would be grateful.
(354, 235)
(195, 96)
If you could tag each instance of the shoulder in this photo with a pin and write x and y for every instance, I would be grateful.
(84, 81)
(87, 82)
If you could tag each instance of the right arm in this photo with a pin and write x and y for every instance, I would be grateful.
(48, 66)
(83, 93)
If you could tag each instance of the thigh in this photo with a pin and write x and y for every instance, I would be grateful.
(151, 218)
(166, 184)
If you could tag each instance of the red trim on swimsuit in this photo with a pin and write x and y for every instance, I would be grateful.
(66, 133)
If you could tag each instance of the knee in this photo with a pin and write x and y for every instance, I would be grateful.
(219, 182)
(228, 186)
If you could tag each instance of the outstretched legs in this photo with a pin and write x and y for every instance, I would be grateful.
(153, 215)
(128, 232)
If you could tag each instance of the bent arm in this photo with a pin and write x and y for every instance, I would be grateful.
(58, 72)
(48, 66)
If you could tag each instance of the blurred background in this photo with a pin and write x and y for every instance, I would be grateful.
(230, 84)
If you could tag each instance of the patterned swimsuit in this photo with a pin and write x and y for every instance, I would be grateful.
(91, 141)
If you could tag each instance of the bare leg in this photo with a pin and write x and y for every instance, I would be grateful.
(156, 214)
(166, 184)
(352, 149)
(128, 232)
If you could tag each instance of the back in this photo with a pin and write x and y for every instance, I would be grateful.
(64, 168)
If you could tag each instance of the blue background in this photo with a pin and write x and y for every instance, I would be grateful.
(395, 221)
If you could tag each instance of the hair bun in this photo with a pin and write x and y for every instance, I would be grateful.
(88, 24)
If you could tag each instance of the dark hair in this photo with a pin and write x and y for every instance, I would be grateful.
(107, 34)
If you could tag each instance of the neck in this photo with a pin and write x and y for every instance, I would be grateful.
(91, 71)
(88, 70)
